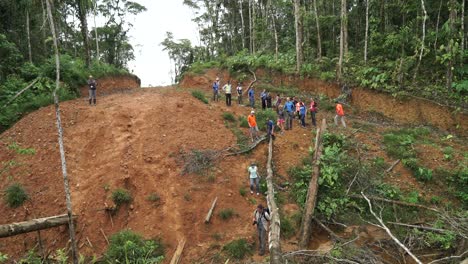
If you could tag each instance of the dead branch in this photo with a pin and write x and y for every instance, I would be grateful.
(178, 253)
(104, 235)
(210, 212)
(395, 202)
(249, 148)
(20, 92)
(421, 227)
(252, 82)
(330, 232)
(449, 258)
(393, 166)
(384, 227)
(197, 161)
(316, 253)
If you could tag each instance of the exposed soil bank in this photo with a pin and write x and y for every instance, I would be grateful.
(112, 84)
(408, 110)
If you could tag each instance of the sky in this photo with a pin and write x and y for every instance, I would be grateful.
(151, 63)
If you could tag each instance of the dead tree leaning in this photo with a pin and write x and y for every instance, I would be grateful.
(276, 256)
(311, 200)
(60, 137)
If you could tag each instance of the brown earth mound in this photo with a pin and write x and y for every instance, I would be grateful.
(113, 84)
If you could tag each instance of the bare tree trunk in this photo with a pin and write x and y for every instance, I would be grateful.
(298, 26)
(84, 29)
(96, 33)
(452, 19)
(305, 231)
(437, 25)
(71, 225)
(276, 256)
(276, 37)
(343, 35)
(463, 27)
(367, 32)
(254, 48)
(319, 39)
(28, 32)
(422, 40)
(241, 11)
(250, 27)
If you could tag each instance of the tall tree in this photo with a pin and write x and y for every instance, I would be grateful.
(343, 39)
(319, 38)
(423, 7)
(82, 11)
(96, 29)
(298, 26)
(366, 38)
(451, 42)
(71, 225)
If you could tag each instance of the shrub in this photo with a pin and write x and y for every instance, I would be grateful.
(121, 196)
(129, 247)
(229, 117)
(238, 249)
(154, 197)
(262, 116)
(389, 191)
(287, 228)
(24, 151)
(423, 174)
(227, 213)
(15, 195)
(243, 122)
(448, 153)
(200, 96)
(242, 191)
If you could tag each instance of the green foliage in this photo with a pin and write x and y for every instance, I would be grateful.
(31, 258)
(3, 257)
(243, 122)
(24, 151)
(227, 213)
(412, 197)
(15, 195)
(154, 198)
(434, 240)
(459, 181)
(121, 196)
(389, 191)
(129, 247)
(229, 117)
(238, 249)
(288, 229)
(200, 96)
(242, 191)
(263, 116)
(448, 153)
(423, 174)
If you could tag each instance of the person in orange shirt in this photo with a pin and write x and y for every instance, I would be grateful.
(339, 114)
(253, 126)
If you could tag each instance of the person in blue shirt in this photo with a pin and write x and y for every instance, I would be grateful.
(252, 97)
(216, 90)
(263, 96)
(270, 125)
(302, 113)
(289, 109)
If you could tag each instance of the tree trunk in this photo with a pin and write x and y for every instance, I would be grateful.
(275, 31)
(84, 29)
(28, 32)
(33, 225)
(241, 11)
(254, 48)
(343, 40)
(306, 225)
(276, 256)
(250, 27)
(423, 7)
(298, 26)
(437, 25)
(319, 40)
(452, 19)
(96, 33)
(60, 138)
(367, 32)
(463, 28)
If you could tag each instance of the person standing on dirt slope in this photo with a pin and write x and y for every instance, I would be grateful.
(339, 114)
(270, 129)
(92, 90)
(280, 122)
(253, 128)
(268, 100)
(261, 217)
(216, 90)
(253, 178)
(227, 88)
(239, 93)
(302, 113)
(289, 108)
(252, 97)
(277, 102)
(263, 96)
(313, 110)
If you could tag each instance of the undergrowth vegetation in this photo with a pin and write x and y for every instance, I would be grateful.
(129, 247)
(15, 195)
(200, 96)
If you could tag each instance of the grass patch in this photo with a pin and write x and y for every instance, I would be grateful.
(288, 229)
(243, 122)
(129, 247)
(121, 196)
(238, 249)
(154, 198)
(262, 117)
(242, 191)
(15, 195)
(200, 96)
(23, 151)
(229, 117)
(227, 213)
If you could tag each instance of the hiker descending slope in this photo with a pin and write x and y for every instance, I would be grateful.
(92, 90)
(339, 114)
(253, 178)
(253, 126)
(261, 219)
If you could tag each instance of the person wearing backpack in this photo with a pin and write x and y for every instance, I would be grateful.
(92, 90)
(253, 178)
(261, 217)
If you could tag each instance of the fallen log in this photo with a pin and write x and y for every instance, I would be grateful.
(393, 166)
(254, 145)
(276, 257)
(178, 253)
(210, 213)
(20, 92)
(33, 225)
(306, 227)
(395, 202)
(428, 228)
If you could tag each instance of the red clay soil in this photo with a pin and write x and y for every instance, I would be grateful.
(112, 84)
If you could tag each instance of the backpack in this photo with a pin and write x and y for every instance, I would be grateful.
(266, 209)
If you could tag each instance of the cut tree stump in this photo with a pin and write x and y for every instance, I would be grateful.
(178, 252)
(210, 213)
(33, 225)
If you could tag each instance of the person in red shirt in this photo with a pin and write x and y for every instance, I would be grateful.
(339, 114)
(253, 126)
